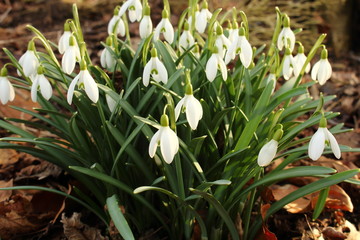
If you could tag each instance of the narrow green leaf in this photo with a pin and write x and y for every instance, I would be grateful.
(320, 204)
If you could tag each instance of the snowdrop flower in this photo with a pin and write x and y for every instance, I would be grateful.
(299, 61)
(197, 12)
(286, 37)
(167, 139)
(288, 65)
(214, 63)
(156, 69)
(271, 78)
(165, 28)
(106, 59)
(29, 62)
(268, 151)
(186, 39)
(233, 31)
(7, 92)
(84, 79)
(135, 10)
(40, 81)
(202, 18)
(192, 106)
(110, 102)
(146, 26)
(116, 24)
(322, 70)
(240, 46)
(64, 39)
(221, 42)
(71, 55)
(321, 138)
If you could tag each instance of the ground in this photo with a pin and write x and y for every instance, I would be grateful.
(28, 214)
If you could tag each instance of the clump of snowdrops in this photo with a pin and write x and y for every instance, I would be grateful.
(177, 130)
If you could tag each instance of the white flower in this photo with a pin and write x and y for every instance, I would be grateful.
(145, 27)
(71, 55)
(288, 65)
(221, 42)
(156, 69)
(135, 10)
(193, 110)
(299, 61)
(202, 18)
(197, 12)
(186, 39)
(28, 61)
(167, 139)
(64, 41)
(107, 60)
(240, 46)
(7, 92)
(84, 79)
(40, 81)
(233, 32)
(322, 70)
(165, 28)
(317, 143)
(267, 153)
(120, 26)
(214, 63)
(286, 37)
(110, 102)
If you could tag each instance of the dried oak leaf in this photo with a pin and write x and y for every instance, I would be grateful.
(76, 230)
(5, 195)
(337, 199)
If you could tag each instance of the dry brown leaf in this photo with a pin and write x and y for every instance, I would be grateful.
(297, 206)
(40, 171)
(8, 157)
(76, 230)
(337, 199)
(5, 194)
(333, 234)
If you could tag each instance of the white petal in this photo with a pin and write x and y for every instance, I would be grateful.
(193, 111)
(72, 89)
(91, 88)
(64, 41)
(158, 30)
(211, 67)
(124, 7)
(287, 68)
(280, 42)
(132, 15)
(138, 10)
(110, 102)
(162, 72)
(34, 88)
(145, 27)
(11, 92)
(154, 142)
(4, 90)
(69, 60)
(246, 53)
(267, 153)
(169, 144)
(169, 31)
(121, 28)
(201, 21)
(146, 73)
(290, 36)
(103, 58)
(314, 71)
(317, 144)
(324, 72)
(231, 53)
(178, 108)
(45, 87)
(30, 63)
(333, 144)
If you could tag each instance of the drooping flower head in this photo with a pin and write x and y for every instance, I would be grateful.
(135, 10)
(240, 46)
(7, 92)
(288, 65)
(320, 139)
(146, 26)
(86, 81)
(299, 61)
(164, 27)
(29, 61)
(106, 59)
(154, 68)
(64, 39)
(71, 56)
(286, 37)
(186, 39)
(214, 63)
(203, 18)
(116, 24)
(221, 42)
(192, 107)
(167, 139)
(268, 151)
(322, 70)
(39, 81)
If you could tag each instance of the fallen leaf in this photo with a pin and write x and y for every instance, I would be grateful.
(297, 206)
(75, 229)
(5, 194)
(333, 234)
(40, 171)
(8, 157)
(337, 199)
